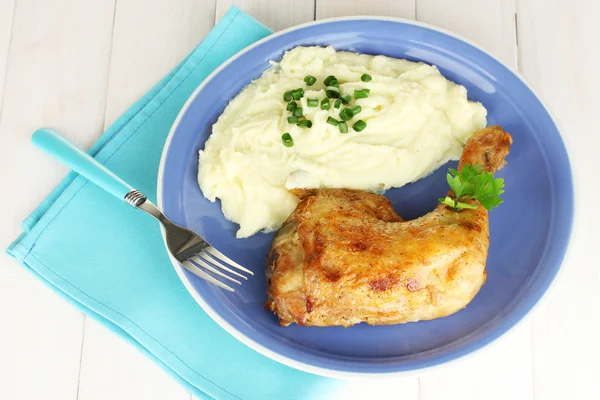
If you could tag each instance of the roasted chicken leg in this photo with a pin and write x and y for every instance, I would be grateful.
(344, 256)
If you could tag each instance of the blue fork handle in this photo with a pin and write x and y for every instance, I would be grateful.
(67, 153)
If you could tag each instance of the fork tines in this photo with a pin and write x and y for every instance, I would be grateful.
(215, 262)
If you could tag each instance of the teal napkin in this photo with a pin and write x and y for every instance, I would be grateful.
(109, 260)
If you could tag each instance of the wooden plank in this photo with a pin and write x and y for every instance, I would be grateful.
(387, 8)
(500, 372)
(490, 24)
(380, 388)
(147, 45)
(559, 55)
(56, 76)
(40, 338)
(276, 14)
(113, 369)
(40, 332)
(6, 19)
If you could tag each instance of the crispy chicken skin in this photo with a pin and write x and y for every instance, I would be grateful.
(344, 256)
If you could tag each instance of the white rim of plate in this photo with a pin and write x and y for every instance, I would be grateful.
(345, 374)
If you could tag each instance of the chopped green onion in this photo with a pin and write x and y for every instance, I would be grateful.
(297, 112)
(291, 106)
(346, 114)
(312, 102)
(366, 78)
(331, 81)
(325, 104)
(292, 120)
(332, 92)
(355, 110)
(287, 96)
(343, 126)
(305, 123)
(332, 121)
(310, 80)
(337, 103)
(345, 99)
(361, 94)
(287, 139)
(359, 125)
(297, 94)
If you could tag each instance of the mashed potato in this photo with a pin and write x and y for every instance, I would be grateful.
(416, 121)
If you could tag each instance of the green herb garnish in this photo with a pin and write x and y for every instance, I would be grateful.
(297, 94)
(361, 94)
(287, 140)
(345, 99)
(366, 78)
(355, 110)
(331, 81)
(332, 121)
(312, 102)
(325, 104)
(305, 123)
(472, 183)
(346, 114)
(343, 126)
(359, 125)
(332, 92)
(310, 80)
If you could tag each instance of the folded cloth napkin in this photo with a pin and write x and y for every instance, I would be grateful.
(109, 260)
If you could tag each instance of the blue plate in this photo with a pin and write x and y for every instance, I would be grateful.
(529, 232)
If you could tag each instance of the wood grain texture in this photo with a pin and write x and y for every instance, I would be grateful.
(383, 388)
(275, 14)
(559, 55)
(148, 45)
(388, 8)
(6, 19)
(490, 24)
(56, 46)
(502, 371)
(108, 358)
(40, 338)
(69, 70)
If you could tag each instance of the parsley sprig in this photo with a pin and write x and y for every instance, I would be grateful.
(473, 183)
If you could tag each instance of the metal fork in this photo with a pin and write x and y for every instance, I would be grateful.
(187, 247)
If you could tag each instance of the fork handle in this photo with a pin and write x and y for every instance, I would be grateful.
(70, 155)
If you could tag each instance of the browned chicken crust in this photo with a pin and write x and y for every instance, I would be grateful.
(344, 256)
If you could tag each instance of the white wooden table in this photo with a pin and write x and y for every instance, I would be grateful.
(77, 65)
